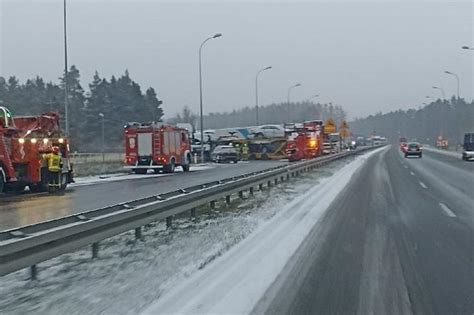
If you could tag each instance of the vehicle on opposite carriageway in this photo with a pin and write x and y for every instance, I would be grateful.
(414, 149)
(468, 147)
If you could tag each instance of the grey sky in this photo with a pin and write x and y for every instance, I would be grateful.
(366, 56)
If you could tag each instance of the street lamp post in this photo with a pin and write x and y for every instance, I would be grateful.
(256, 93)
(200, 94)
(101, 115)
(457, 79)
(441, 89)
(314, 96)
(288, 99)
(66, 107)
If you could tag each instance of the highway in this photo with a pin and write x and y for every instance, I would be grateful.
(399, 239)
(29, 209)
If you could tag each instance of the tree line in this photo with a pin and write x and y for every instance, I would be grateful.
(270, 114)
(447, 118)
(116, 101)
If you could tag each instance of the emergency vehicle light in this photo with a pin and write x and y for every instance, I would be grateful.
(312, 143)
(45, 140)
(61, 140)
(33, 140)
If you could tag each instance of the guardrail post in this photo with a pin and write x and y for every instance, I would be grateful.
(251, 190)
(260, 186)
(193, 212)
(33, 272)
(138, 233)
(227, 199)
(276, 181)
(241, 194)
(169, 221)
(288, 176)
(212, 204)
(95, 250)
(269, 184)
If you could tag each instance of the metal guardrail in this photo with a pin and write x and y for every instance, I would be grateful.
(29, 245)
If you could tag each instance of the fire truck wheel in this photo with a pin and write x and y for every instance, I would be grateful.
(169, 168)
(187, 164)
(36, 188)
(186, 167)
(2, 182)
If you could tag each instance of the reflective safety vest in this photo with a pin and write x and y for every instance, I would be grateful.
(245, 150)
(54, 162)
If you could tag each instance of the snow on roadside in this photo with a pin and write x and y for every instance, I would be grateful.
(104, 178)
(130, 275)
(445, 152)
(237, 281)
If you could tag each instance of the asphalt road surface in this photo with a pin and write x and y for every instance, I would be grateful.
(29, 209)
(398, 240)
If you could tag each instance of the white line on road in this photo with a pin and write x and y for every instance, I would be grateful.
(405, 166)
(412, 174)
(423, 185)
(448, 211)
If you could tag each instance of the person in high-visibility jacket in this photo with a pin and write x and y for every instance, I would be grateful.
(245, 152)
(54, 166)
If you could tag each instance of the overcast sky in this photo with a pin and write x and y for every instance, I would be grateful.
(366, 56)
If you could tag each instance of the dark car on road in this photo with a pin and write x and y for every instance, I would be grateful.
(413, 149)
(225, 153)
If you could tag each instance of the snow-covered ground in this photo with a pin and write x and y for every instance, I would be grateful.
(104, 178)
(192, 265)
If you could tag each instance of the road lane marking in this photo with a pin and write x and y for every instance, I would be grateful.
(412, 174)
(448, 211)
(423, 185)
(405, 166)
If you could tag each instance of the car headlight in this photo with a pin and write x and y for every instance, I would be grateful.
(21, 140)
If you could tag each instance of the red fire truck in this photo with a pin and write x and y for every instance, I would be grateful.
(314, 138)
(156, 146)
(23, 141)
(296, 141)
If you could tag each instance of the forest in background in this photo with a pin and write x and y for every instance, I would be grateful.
(447, 118)
(121, 99)
(269, 114)
(118, 99)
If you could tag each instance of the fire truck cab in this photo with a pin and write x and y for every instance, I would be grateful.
(23, 141)
(296, 141)
(314, 135)
(156, 146)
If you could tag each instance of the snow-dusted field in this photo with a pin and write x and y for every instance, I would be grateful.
(198, 260)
